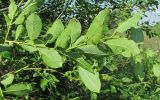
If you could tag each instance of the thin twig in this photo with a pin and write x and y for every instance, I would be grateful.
(6, 8)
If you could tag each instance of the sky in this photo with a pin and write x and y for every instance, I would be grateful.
(151, 17)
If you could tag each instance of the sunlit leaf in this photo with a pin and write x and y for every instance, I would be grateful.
(29, 48)
(8, 79)
(92, 49)
(91, 81)
(12, 9)
(98, 27)
(55, 30)
(33, 26)
(156, 70)
(51, 57)
(6, 19)
(20, 19)
(1, 94)
(20, 29)
(84, 64)
(19, 89)
(123, 46)
(70, 34)
(129, 23)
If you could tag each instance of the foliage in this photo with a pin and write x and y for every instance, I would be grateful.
(62, 63)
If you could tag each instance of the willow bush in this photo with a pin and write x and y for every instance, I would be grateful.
(63, 62)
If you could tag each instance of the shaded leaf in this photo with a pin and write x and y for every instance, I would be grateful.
(5, 54)
(139, 71)
(136, 35)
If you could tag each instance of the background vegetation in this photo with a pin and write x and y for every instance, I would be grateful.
(78, 49)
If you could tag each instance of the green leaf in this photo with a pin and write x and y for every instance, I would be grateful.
(75, 30)
(19, 89)
(123, 46)
(12, 9)
(79, 40)
(40, 2)
(129, 23)
(8, 79)
(92, 49)
(51, 57)
(5, 54)
(84, 64)
(72, 32)
(20, 29)
(6, 19)
(5, 47)
(1, 94)
(139, 71)
(33, 26)
(156, 70)
(31, 6)
(136, 35)
(56, 29)
(63, 40)
(91, 81)
(29, 48)
(98, 27)
(44, 83)
(20, 19)
(126, 80)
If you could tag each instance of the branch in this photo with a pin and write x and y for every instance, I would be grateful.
(4, 9)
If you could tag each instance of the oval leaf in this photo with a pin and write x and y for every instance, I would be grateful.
(92, 49)
(20, 19)
(8, 79)
(131, 22)
(156, 70)
(51, 57)
(91, 81)
(84, 64)
(20, 29)
(72, 32)
(98, 27)
(12, 9)
(33, 26)
(56, 29)
(123, 46)
(19, 89)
